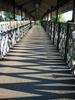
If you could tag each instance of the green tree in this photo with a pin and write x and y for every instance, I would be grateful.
(60, 18)
(8, 16)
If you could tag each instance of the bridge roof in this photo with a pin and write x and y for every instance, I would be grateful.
(37, 8)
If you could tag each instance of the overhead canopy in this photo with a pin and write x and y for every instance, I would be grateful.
(36, 8)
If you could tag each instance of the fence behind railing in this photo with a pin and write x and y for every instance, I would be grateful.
(10, 33)
(63, 37)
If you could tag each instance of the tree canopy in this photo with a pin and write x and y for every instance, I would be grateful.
(8, 16)
(60, 18)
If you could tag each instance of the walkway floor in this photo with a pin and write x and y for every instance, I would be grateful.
(34, 70)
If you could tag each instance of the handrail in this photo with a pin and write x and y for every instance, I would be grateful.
(61, 35)
(10, 33)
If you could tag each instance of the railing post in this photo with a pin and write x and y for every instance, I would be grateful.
(66, 44)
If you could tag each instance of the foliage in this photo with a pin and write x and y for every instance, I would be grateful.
(8, 16)
(60, 18)
(38, 23)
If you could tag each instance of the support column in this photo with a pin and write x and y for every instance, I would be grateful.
(51, 22)
(51, 13)
(73, 15)
(59, 30)
(14, 9)
(24, 15)
(57, 15)
(47, 23)
(30, 22)
(57, 10)
(55, 21)
(47, 17)
(66, 44)
(21, 14)
(59, 26)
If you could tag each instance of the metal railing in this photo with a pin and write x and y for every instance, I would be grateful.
(10, 33)
(63, 37)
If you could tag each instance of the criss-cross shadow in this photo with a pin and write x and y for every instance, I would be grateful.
(35, 69)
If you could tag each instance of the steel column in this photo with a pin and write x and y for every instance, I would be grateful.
(58, 41)
(14, 6)
(73, 15)
(66, 45)
(21, 13)
(57, 10)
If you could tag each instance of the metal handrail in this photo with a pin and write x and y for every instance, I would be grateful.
(61, 35)
(11, 33)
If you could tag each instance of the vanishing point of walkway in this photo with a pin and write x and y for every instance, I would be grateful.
(34, 70)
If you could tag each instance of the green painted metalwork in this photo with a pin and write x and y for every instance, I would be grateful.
(61, 36)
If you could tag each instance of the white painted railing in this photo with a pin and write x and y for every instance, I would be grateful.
(10, 33)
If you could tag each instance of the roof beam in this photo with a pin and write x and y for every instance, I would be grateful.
(60, 3)
(25, 3)
(33, 10)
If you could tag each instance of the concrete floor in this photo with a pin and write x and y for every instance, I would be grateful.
(34, 70)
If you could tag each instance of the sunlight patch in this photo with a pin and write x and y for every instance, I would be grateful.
(11, 79)
(6, 93)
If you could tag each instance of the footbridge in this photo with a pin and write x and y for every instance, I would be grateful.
(37, 62)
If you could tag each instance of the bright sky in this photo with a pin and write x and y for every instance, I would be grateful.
(68, 16)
